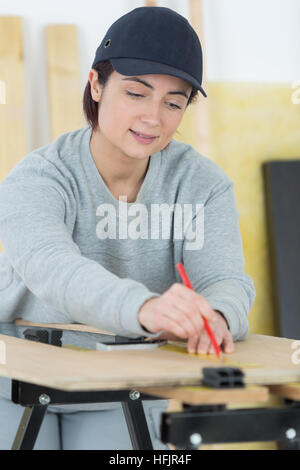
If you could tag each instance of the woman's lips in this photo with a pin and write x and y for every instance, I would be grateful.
(143, 140)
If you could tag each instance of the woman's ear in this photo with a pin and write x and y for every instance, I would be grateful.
(96, 88)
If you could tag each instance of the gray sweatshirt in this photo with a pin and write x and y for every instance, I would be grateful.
(74, 253)
(64, 260)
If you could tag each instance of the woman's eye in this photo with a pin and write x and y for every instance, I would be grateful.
(135, 95)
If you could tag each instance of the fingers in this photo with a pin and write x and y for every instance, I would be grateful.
(170, 324)
(192, 344)
(219, 339)
(203, 345)
(228, 344)
(179, 311)
(199, 344)
(194, 301)
(188, 315)
(187, 308)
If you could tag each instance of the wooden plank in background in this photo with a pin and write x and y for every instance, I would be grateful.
(12, 113)
(65, 97)
(201, 108)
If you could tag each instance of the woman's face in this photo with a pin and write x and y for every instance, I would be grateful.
(156, 111)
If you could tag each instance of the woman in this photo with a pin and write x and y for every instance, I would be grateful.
(94, 224)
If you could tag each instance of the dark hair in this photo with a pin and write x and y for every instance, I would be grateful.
(90, 107)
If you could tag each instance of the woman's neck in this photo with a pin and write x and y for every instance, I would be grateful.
(122, 175)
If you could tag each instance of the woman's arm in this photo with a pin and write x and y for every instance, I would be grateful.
(40, 248)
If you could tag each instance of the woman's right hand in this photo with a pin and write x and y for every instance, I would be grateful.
(178, 312)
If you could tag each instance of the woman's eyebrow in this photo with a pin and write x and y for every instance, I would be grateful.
(139, 80)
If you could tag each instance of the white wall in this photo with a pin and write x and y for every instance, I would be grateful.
(252, 40)
(245, 40)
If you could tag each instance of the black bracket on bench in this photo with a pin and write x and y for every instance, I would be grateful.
(36, 399)
(50, 336)
(223, 377)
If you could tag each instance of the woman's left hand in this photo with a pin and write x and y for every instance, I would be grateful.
(202, 344)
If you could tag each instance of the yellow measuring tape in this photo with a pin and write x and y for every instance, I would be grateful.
(209, 357)
(181, 349)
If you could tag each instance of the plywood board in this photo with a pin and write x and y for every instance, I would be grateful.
(251, 123)
(63, 79)
(269, 357)
(62, 326)
(12, 107)
(291, 391)
(12, 101)
(201, 108)
(206, 395)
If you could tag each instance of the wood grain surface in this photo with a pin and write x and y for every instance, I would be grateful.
(267, 362)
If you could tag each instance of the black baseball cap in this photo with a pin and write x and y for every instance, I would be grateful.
(153, 40)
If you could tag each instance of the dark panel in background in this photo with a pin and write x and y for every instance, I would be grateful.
(282, 190)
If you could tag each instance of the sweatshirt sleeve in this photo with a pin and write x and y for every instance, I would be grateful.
(216, 269)
(41, 250)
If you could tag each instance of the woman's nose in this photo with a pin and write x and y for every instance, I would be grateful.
(151, 115)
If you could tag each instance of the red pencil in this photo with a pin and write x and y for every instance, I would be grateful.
(186, 281)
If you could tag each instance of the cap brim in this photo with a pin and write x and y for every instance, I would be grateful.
(203, 92)
(132, 67)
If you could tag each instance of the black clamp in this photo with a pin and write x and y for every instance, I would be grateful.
(52, 337)
(223, 377)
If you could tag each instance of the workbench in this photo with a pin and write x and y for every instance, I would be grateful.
(44, 374)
